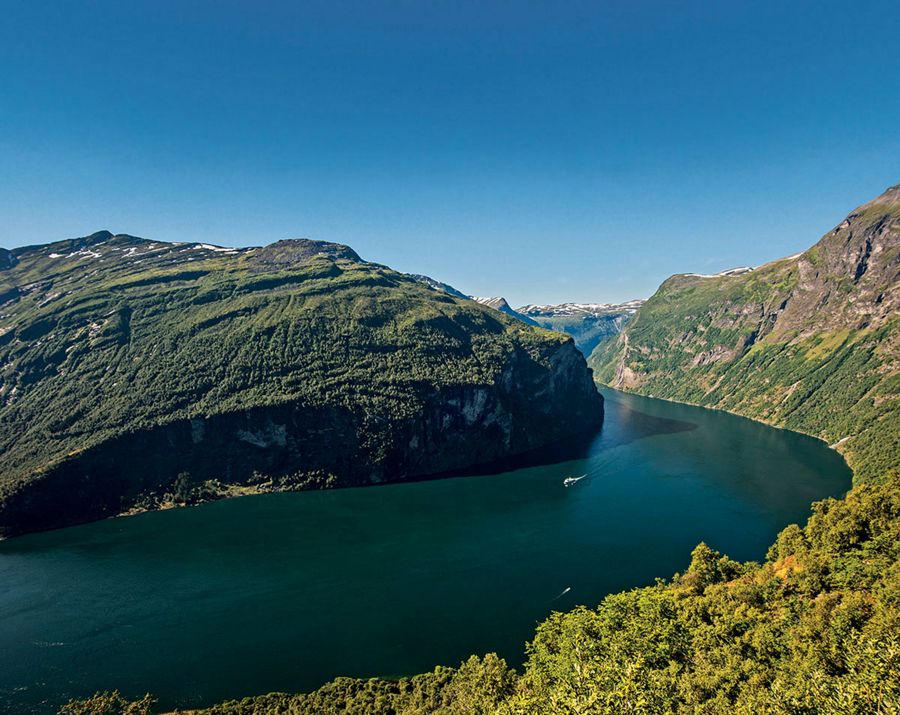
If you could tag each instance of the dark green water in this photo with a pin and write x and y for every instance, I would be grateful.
(286, 591)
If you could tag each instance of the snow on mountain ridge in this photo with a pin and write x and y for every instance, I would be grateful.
(574, 309)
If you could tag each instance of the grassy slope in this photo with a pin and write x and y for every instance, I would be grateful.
(108, 335)
(831, 369)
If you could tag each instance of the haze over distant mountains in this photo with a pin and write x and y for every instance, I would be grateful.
(589, 324)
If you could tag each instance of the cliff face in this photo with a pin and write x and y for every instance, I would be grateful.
(139, 374)
(810, 342)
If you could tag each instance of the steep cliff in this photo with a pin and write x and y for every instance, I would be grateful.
(135, 374)
(809, 342)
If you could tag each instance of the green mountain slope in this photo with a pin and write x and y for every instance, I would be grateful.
(809, 342)
(135, 374)
(814, 628)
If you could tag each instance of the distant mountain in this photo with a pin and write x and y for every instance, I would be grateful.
(810, 342)
(437, 285)
(138, 374)
(579, 309)
(501, 305)
(495, 303)
(589, 324)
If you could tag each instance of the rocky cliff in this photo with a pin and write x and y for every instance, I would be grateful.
(809, 342)
(137, 374)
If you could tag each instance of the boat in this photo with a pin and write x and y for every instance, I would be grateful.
(569, 481)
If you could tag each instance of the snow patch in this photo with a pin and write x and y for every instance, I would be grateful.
(730, 272)
(210, 247)
(575, 309)
(84, 253)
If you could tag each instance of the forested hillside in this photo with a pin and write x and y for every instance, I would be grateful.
(136, 374)
(810, 342)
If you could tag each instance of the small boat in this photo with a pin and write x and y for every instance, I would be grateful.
(569, 481)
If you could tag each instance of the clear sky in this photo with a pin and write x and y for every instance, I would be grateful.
(542, 151)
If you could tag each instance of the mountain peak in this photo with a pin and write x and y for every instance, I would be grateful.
(299, 250)
(102, 235)
(889, 199)
(497, 303)
(7, 259)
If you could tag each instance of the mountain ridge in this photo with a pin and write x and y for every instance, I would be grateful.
(809, 342)
(813, 627)
(588, 324)
(292, 365)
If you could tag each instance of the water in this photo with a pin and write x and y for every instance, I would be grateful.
(286, 591)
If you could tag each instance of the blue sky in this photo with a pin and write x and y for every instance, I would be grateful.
(542, 151)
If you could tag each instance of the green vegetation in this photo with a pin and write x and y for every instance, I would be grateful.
(813, 629)
(229, 364)
(109, 704)
(809, 343)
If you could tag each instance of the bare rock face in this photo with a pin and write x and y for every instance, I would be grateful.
(7, 259)
(849, 278)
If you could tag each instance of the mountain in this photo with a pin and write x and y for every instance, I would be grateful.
(137, 374)
(499, 304)
(589, 324)
(504, 307)
(581, 309)
(437, 285)
(809, 342)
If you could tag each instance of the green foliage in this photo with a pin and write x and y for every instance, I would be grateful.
(817, 355)
(113, 336)
(479, 686)
(109, 704)
(618, 658)
(812, 630)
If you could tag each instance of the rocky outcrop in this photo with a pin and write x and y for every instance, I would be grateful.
(7, 259)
